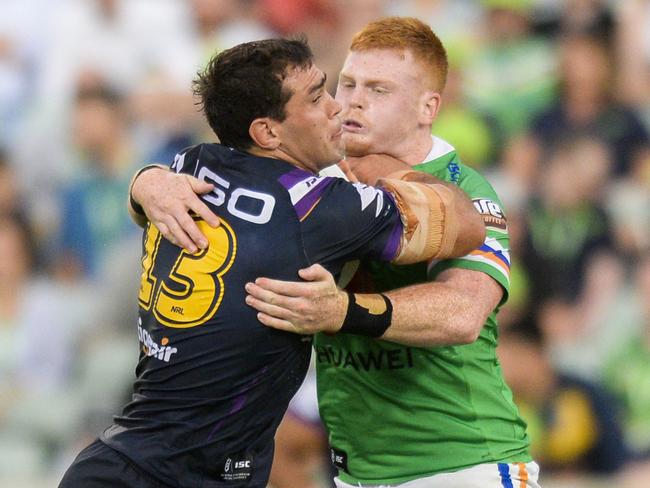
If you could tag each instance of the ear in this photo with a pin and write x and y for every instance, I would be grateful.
(430, 104)
(264, 133)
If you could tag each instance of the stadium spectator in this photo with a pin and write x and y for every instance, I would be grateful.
(92, 217)
(587, 105)
(35, 359)
(467, 130)
(573, 423)
(592, 17)
(511, 76)
(458, 23)
(11, 197)
(627, 371)
(567, 223)
(628, 206)
(633, 55)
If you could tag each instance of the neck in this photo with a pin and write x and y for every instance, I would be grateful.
(281, 155)
(415, 149)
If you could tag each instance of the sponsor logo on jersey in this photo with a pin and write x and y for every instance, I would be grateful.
(305, 190)
(298, 191)
(493, 216)
(454, 171)
(151, 348)
(382, 359)
(339, 458)
(237, 468)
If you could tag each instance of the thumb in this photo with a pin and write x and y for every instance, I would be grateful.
(314, 273)
(199, 186)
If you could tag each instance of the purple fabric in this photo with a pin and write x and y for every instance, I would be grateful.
(306, 203)
(392, 245)
(289, 180)
(313, 194)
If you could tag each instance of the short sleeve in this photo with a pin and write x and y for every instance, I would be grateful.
(493, 256)
(341, 220)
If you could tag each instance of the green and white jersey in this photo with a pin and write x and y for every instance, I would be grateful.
(396, 413)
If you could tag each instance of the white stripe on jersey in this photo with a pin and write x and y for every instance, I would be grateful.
(298, 191)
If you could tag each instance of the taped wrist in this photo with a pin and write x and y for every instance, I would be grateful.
(137, 208)
(368, 314)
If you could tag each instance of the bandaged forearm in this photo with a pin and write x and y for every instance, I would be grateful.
(428, 216)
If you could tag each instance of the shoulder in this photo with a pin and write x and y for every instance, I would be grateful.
(478, 188)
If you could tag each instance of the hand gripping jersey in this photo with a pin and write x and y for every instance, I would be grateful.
(396, 413)
(212, 382)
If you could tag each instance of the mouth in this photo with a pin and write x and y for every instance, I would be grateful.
(351, 125)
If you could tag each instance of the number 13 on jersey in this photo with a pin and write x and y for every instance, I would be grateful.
(190, 292)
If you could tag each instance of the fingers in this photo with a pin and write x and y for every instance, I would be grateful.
(288, 288)
(286, 303)
(276, 323)
(318, 282)
(199, 186)
(197, 205)
(271, 315)
(174, 233)
(204, 212)
(315, 273)
(164, 230)
(189, 228)
(268, 308)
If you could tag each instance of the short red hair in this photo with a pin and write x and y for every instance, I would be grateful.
(406, 33)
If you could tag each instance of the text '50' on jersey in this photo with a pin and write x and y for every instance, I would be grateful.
(212, 382)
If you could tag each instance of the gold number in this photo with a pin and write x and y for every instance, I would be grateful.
(148, 280)
(193, 290)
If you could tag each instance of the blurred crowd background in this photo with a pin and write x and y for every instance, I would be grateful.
(550, 99)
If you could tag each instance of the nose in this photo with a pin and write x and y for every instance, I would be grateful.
(356, 98)
(336, 107)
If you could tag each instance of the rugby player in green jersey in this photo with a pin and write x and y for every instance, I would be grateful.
(425, 404)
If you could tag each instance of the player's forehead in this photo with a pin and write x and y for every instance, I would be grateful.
(389, 64)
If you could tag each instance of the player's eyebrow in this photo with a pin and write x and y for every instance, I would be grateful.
(320, 85)
(372, 82)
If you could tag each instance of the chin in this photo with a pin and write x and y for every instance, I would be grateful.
(356, 148)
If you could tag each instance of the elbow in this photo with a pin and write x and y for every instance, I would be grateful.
(467, 336)
(470, 335)
(468, 326)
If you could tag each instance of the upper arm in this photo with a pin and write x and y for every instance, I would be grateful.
(344, 221)
(492, 258)
(452, 310)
